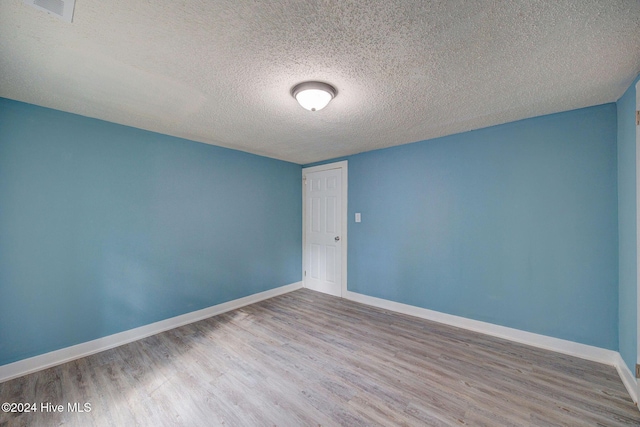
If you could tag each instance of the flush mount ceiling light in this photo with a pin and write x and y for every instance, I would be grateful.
(313, 96)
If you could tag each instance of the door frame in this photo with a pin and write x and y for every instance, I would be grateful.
(343, 166)
(637, 129)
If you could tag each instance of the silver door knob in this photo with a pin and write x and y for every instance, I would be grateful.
(336, 238)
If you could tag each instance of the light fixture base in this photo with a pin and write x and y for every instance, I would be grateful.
(313, 96)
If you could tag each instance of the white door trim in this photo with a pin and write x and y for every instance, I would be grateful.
(343, 165)
(637, 128)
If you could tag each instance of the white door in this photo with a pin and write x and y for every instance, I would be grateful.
(325, 233)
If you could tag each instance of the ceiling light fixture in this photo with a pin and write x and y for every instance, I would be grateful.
(313, 96)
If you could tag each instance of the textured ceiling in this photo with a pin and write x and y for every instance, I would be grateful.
(220, 71)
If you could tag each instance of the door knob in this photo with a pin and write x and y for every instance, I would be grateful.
(336, 238)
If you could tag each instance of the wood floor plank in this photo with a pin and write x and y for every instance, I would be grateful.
(310, 359)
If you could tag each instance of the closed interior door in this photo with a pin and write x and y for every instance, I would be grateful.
(323, 231)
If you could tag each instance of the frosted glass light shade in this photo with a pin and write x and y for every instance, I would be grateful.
(313, 99)
(313, 96)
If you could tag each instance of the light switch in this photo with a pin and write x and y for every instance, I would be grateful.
(358, 218)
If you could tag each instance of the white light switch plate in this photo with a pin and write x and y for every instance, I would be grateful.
(358, 218)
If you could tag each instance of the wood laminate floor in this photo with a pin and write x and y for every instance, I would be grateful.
(309, 359)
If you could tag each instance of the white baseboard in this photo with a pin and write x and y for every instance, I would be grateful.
(58, 357)
(627, 377)
(583, 351)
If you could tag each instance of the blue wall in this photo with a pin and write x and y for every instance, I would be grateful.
(104, 228)
(626, 107)
(514, 225)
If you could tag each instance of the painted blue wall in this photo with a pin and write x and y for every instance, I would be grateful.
(514, 225)
(628, 305)
(105, 228)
